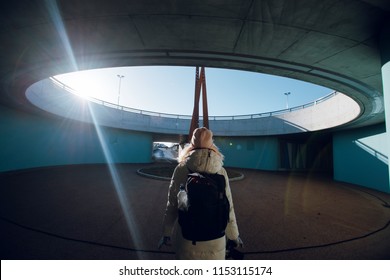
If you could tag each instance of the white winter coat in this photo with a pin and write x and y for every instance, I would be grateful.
(199, 160)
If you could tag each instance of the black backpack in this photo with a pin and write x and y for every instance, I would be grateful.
(207, 214)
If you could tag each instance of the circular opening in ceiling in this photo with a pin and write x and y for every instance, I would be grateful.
(160, 100)
(170, 89)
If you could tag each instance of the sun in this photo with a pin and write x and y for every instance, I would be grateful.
(85, 84)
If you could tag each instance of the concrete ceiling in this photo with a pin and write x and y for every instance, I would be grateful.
(333, 43)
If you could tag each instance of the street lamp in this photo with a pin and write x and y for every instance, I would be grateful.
(287, 94)
(119, 90)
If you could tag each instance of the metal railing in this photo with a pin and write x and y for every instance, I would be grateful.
(176, 116)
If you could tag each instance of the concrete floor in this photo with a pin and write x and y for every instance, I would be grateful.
(76, 212)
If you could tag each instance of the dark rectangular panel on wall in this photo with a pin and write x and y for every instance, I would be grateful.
(306, 152)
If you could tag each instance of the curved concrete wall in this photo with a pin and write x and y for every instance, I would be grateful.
(332, 112)
(260, 152)
(30, 141)
(360, 156)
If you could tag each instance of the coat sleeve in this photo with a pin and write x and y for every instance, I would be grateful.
(170, 215)
(232, 232)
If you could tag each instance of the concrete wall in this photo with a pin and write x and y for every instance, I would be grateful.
(250, 152)
(29, 141)
(360, 157)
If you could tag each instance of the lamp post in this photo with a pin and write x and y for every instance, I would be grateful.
(119, 90)
(287, 94)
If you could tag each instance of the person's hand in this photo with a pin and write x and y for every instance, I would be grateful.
(165, 240)
(238, 242)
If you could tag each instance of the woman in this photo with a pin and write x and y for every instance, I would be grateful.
(200, 156)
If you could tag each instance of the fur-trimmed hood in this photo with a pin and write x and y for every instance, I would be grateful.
(204, 160)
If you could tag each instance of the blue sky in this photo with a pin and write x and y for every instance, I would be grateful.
(170, 89)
